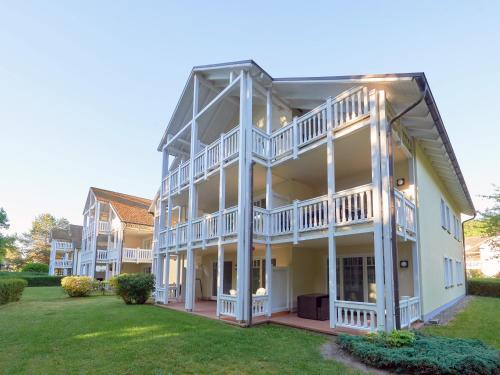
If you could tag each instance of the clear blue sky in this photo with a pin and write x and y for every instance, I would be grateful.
(86, 88)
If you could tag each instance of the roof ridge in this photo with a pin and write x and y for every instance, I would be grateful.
(122, 194)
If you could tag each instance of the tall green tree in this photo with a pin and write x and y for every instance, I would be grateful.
(6, 242)
(36, 242)
(491, 216)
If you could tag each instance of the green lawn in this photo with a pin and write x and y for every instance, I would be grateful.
(479, 320)
(49, 333)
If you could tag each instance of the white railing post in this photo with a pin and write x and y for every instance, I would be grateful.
(205, 156)
(295, 138)
(295, 222)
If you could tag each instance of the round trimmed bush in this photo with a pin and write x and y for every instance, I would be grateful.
(77, 286)
(11, 290)
(36, 267)
(134, 288)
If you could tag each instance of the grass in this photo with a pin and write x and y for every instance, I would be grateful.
(479, 320)
(47, 332)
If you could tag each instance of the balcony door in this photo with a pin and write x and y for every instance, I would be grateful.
(353, 279)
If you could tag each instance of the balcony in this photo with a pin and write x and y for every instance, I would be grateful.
(58, 263)
(102, 256)
(137, 255)
(289, 141)
(63, 245)
(104, 227)
(352, 208)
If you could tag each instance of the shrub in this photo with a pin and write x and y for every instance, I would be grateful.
(425, 355)
(134, 288)
(78, 286)
(395, 339)
(11, 289)
(489, 287)
(36, 267)
(33, 278)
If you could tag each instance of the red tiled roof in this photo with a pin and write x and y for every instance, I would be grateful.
(130, 209)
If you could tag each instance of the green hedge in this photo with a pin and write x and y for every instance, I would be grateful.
(426, 355)
(489, 287)
(36, 267)
(134, 288)
(11, 289)
(33, 278)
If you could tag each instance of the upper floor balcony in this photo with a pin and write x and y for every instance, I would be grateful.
(351, 211)
(60, 263)
(63, 245)
(270, 149)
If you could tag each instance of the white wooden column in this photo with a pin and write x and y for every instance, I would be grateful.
(269, 203)
(167, 277)
(222, 206)
(52, 258)
(378, 250)
(332, 245)
(242, 274)
(178, 278)
(190, 272)
(97, 213)
(386, 215)
(220, 276)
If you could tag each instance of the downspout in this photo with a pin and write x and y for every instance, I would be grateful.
(465, 255)
(394, 234)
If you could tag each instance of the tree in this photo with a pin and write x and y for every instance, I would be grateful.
(6, 242)
(491, 217)
(36, 242)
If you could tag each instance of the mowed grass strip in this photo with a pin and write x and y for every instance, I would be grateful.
(479, 320)
(47, 332)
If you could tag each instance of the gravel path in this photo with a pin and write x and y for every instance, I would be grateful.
(445, 316)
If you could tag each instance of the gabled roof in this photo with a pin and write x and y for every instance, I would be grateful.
(424, 122)
(130, 209)
(72, 234)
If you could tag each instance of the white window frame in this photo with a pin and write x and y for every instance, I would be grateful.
(448, 272)
(447, 218)
(443, 214)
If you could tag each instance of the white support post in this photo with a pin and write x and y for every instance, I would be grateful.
(295, 222)
(97, 213)
(377, 211)
(52, 258)
(386, 214)
(332, 245)
(220, 275)
(269, 206)
(295, 141)
(242, 274)
(166, 257)
(190, 272)
(178, 278)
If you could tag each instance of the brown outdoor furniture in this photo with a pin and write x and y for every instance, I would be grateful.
(313, 306)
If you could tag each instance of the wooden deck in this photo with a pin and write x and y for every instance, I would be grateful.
(207, 309)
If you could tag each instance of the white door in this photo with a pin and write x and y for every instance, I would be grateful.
(280, 289)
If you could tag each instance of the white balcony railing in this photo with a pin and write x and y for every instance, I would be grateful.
(409, 308)
(63, 245)
(102, 255)
(357, 315)
(228, 305)
(63, 263)
(226, 147)
(405, 216)
(137, 255)
(350, 207)
(104, 226)
(259, 305)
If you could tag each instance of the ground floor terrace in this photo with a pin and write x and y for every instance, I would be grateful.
(285, 278)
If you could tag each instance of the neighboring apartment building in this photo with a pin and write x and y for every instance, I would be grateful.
(330, 187)
(117, 234)
(65, 250)
(483, 255)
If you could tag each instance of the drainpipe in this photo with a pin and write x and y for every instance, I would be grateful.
(465, 256)
(394, 234)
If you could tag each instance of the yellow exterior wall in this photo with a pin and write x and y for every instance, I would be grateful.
(435, 242)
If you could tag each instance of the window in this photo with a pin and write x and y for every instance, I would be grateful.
(443, 214)
(448, 226)
(448, 272)
(456, 228)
